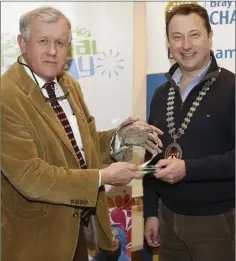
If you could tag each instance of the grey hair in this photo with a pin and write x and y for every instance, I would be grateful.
(46, 14)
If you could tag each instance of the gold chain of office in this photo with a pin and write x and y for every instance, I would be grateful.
(187, 119)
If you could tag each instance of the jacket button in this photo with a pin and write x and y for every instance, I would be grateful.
(75, 214)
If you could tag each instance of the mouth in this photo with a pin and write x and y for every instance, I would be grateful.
(188, 55)
(114, 246)
(50, 62)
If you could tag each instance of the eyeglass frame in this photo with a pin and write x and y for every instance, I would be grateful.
(60, 98)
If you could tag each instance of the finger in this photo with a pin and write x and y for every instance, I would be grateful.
(157, 150)
(129, 120)
(133, 118)
(151, 144)
(155, 237)
(151, 244)
(160, 132)
(168, 180)
(150, 241)
(137, 175)
(143, 124)
(132, 167)
(149, 238)
(162, 174)
(162, 163)
(126, 166)
(152, 151)
(154, 137)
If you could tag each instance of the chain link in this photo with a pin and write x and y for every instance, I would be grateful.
(187, 119)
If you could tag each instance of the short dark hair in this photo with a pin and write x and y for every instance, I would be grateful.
(187, 9)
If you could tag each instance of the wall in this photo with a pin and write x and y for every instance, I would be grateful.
(139, 91)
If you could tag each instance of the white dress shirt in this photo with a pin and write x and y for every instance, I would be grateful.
(66, 108)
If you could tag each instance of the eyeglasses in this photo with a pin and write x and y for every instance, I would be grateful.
(60, 98)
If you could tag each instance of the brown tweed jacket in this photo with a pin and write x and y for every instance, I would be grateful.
(42, 183)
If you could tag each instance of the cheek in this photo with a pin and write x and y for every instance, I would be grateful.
(203, 47)
(35, 60)
(117, 242)
(37, 55)
(62, 57)
(201, 44)
(175, 52)
(175, 47)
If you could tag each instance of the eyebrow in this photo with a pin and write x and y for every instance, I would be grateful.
(194, 30)
(42, 36)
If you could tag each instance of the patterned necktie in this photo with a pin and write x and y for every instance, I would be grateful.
(87, 211)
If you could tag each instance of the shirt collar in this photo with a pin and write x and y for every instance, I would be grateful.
(40, 81)
(178, 74)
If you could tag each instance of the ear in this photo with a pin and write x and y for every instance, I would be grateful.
(22, 43)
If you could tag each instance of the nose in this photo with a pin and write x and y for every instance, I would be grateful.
(52, 48)
(187, 43)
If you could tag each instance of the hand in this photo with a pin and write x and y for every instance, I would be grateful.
(140, 133)
(172, 170)
(119, 174)
(151, 231)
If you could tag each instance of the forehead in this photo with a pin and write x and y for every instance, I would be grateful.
(186, 23)
(57, 29)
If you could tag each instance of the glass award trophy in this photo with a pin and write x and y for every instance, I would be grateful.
(148, 169)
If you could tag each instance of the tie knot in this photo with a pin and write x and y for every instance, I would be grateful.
(50, 85)
(50, 88)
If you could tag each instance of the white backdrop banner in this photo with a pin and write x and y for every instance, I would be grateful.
(101, 58)
(222, 16)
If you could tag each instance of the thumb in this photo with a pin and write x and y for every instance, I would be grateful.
(137, 175)
(162, 163)
(155, 236)
(132, 167)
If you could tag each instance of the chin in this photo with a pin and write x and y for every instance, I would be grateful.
(51, 76)
(115, 248)
(188, 66)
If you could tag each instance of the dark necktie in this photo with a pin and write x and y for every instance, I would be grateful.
(87, 211)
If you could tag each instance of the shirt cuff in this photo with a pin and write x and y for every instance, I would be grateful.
(100, 178)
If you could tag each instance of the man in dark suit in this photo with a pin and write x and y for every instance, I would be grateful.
(189, 203)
